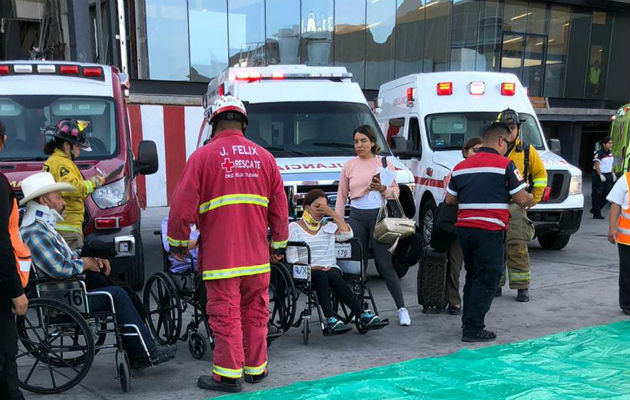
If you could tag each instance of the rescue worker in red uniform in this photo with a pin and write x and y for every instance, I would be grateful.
(232, 189)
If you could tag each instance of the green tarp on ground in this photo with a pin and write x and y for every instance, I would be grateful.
(590, 363)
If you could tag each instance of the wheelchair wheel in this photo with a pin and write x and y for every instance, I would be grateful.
(124, 375)
(306, 329)
(50, 335)
(164, 308)
(197, 345)
(282, 299)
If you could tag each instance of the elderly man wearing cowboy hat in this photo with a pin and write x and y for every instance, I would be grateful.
(51, 255)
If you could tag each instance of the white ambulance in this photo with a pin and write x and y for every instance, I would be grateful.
(305, 116)
(428, 118)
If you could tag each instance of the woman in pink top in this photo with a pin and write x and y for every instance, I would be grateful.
(361, 183)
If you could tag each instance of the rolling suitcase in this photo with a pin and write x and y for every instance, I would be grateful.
(432, 280)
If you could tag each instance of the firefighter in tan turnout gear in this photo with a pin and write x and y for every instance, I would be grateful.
(520, 228)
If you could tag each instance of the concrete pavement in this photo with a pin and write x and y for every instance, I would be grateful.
(571, 288)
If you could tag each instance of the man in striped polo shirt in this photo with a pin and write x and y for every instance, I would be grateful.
(482, 186)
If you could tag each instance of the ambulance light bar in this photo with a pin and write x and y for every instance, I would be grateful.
(254, 76)
(508, 88)
(410, 94)
(445, 88)
(53, 69)
(477, 88)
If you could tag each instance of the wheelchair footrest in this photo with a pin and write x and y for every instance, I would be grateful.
(379, 325)
(328, 332)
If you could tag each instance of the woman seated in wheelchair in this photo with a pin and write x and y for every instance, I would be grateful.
(52, 256)
(320, 235)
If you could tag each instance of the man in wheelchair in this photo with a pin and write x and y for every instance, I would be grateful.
(320, 236)
(52, 256)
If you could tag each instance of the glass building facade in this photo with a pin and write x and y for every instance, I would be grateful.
(557, 51)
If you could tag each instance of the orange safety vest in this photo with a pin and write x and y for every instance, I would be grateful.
(623, 223)
(22, 254)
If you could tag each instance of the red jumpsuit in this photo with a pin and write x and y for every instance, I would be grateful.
(232, 189)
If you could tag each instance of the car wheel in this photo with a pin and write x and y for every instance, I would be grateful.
(553, 241)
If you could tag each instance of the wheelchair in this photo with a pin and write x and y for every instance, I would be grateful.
(59, 335)
(170, 293)
(350, 259)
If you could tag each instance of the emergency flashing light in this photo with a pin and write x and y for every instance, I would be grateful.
(508, 88)
(277, 75)
(221, 90)
(46, 69)
(69, 70)
(477, 88)
(248, 76)
(409, 94)
(4, 70)
(627, 109)
(23, 69)
(445, 88)
(92, 71)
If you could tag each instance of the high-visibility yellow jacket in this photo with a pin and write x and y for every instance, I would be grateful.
(64, 169)
(537, 179)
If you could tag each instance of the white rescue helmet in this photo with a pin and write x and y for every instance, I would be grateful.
(226, 107)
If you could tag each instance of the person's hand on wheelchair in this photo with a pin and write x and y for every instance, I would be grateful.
(96, 264)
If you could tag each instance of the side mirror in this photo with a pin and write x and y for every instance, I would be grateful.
(147, 162)
(400, 148)
(554, 145)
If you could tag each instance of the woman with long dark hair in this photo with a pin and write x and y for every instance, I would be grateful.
(361, 183)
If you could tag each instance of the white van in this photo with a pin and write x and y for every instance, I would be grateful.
(305, 117)
(429, 117)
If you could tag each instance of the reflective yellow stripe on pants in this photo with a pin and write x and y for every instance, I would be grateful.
(231, 199)
(227, 372)
(256, 370)
(176, 243)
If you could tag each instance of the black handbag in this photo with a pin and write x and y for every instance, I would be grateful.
(444, 226)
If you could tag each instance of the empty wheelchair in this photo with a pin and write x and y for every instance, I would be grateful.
(59, 335)
(170, 293)
(349, 258)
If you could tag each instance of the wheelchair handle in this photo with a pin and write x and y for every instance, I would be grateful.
(302, 244)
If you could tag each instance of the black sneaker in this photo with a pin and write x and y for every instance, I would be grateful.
(626, 311)
(598, 217)
(483, 335)
(454, 310)
(255, 378)
(162, 354)
(225, 385)
(522, 295)
(499, 292)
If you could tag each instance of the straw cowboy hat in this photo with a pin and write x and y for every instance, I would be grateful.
(42, 183)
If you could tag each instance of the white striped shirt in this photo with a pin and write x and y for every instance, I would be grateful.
(322, 244)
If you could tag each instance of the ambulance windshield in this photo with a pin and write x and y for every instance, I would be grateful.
(25, 116)
(450, 131)
(309, 128)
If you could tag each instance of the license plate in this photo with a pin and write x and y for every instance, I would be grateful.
(344, 250)
(70, 293)
(301, 272)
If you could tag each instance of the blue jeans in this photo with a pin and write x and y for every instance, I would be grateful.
(125, 314)
(483, 261)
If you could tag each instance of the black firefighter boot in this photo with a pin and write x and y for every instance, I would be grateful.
(224, 385)
(522, 295)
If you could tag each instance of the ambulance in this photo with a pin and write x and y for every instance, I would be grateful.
(37, 94)
(428, 118)
(305, 116)
(620, 135)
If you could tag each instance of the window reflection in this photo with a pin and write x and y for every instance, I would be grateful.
(490, 28)
(515, 16)
(409, 36)
(601, 29)
(350, 37)
(247, 32)
(437, 35)
(577, 54)
(464, 37)
(317, 28)
(557, 43)
(381, 19)
(283, 31)
(207, 19)
(167, 40)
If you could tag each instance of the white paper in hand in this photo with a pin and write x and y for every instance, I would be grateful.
(387, 176)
